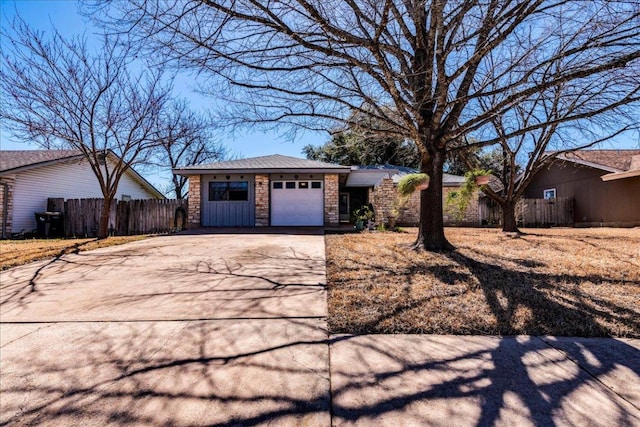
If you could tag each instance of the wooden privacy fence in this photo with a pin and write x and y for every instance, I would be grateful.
(127, 217)
(150, 216)
(531, 212)
(546, 212)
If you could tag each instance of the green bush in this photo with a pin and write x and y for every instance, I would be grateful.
(363, 213)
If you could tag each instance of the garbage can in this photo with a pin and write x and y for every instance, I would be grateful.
(49, 224)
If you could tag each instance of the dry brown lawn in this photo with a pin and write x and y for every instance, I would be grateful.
(18, 252)
(566, 282)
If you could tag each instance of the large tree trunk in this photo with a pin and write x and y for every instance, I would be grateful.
(431, 233)
(509, 223)
(103, 226)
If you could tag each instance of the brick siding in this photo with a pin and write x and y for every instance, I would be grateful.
(331, 200)
(6, 218)
(262, 200)
(384, 198)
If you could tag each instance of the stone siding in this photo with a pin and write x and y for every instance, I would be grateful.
(6, 218)
(331, 200)
(385, 195)
(195, 202)
(410, 213)
(262, 200)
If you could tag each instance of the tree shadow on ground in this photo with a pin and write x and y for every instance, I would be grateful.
(492, 295)
(210, 373)
(445, 380)
(177, 373)
(549, 312)
(159, 366)
(508, 380)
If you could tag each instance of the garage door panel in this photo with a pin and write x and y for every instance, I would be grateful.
(297, 206)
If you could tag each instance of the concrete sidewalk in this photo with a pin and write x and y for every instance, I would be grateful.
(431, 380)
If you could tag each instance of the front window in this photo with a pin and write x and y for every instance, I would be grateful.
(229, 191)
(549, 193)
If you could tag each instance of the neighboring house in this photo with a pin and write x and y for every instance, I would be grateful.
(604, 184)
(279, 190)
(29, 177)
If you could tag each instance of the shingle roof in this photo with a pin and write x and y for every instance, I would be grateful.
(448, 180)
(13, 159)
(387, 166)
(613, 159)
(370, 176)
(274, 161)
(399, 171)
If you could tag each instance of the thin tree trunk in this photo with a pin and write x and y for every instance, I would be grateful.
(178, 185)
(103, 226)
(431, 233)
(509, 223)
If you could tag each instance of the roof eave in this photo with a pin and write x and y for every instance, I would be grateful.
(620, 175)
(590, 164)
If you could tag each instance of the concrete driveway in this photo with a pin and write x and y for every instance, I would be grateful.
(179, 330)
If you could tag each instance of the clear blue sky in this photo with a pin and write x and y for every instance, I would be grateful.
(63, 14)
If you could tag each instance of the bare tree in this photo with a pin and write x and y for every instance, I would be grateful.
(59, 95)
(186, 139)
(420, 67)
(566, 117)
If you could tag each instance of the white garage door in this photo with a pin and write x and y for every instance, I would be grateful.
(297, 203)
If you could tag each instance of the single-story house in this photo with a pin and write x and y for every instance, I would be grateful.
(280, 190)
(604, 184)
(29, 177)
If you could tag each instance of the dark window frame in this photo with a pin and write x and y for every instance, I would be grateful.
(228, 191)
